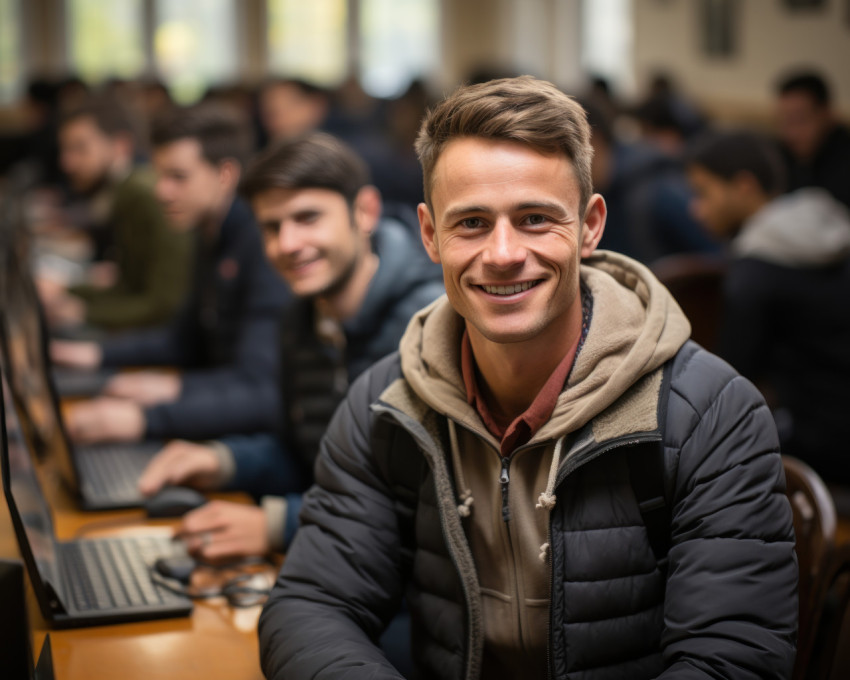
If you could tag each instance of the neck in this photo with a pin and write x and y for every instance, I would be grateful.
(346, 302)
(512, 374)
(210, 226)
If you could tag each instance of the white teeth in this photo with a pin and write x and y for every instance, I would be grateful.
(509, 290)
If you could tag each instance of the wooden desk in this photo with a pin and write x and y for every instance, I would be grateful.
(216, 641)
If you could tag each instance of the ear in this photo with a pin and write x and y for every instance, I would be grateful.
(367, 209)
(229, 172)
(428, 231)
(594, 224)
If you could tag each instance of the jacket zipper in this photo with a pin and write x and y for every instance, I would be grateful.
(504, 480)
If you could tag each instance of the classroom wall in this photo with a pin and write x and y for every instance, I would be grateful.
(770, 39)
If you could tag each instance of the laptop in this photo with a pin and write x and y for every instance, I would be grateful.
(83, 582)
(101, 476)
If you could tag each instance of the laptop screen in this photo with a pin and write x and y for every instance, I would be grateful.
(27, 504)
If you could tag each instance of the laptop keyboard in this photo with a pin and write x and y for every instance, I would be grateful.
(114, 573)
(111, 471)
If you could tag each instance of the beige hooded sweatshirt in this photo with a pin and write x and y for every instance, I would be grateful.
(635, 328)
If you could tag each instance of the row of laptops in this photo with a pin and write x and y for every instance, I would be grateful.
(100, 476)
(79, 582)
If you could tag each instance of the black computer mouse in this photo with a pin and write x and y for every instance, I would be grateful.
(173, 501)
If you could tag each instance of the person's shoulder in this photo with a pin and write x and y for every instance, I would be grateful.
(702, 379)
(370, 384)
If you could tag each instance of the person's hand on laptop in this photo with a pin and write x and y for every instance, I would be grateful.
(106, 420)
(181, 463)
(145, 387)
(83, 355)
(221, 530)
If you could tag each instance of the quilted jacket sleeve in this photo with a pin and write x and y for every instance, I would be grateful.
(341, 582)
(731, 598)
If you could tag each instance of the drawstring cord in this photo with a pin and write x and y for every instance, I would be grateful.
(546, 500)
(466, 500)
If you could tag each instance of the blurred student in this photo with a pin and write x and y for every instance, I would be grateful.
(787, 291)
(357, 279)
(222, 342)
(647, 196)
(816, 147)
(150, 267)
(291, 107)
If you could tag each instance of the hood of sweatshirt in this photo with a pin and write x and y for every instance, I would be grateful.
(806, 228)
(635, 328)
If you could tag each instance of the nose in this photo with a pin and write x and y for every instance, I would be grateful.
(288, 239)
(505, 247)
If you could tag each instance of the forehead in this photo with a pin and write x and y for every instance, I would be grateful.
(83, 126)
(474, 166)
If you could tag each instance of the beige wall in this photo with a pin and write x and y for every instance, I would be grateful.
(771, 40)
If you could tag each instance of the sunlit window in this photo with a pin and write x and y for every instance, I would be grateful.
(11, 71)
(307, 39)
(607, 27)
(195, 45)
(399, 41)
(106, 39)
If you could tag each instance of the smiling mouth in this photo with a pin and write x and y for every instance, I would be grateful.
(510, 289)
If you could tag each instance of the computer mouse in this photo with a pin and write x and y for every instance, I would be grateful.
(173, 501)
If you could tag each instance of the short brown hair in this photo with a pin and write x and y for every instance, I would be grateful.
(109, 115)
(523, 109)
(222, 133)
(315, 161)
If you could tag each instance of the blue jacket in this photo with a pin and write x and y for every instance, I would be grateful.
(223, 338)
(315, 376)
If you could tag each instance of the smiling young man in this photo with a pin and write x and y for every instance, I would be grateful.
(491, 471)
(221, 343)
(356, 278)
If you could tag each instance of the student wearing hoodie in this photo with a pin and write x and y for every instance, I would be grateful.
(356, 278)
(786, 293)
(483, 471)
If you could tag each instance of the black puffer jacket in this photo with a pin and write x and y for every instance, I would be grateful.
(728, 605)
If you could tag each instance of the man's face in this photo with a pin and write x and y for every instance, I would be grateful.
(715, 203)
(507, 230)
(86, 153)
(801, 123)
(189, 187)
(311, 237)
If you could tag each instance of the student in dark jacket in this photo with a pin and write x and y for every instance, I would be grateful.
(357, 279)
(786, 294)
(222, 342)
(483, 472)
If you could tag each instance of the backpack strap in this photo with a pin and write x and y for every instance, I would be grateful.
(647, 475)
(646, 471)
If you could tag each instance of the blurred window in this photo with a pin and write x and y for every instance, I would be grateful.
(106, 39)
(11, 66)
(607, 36)
(399, 41)
(195, 45)
(307, 39)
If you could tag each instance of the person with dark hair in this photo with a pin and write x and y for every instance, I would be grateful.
(357, 278)
(222, 340)
(290, 107)
(151, 261)
(646, 193)
(558, 482)
(786, 293)
(816, 147)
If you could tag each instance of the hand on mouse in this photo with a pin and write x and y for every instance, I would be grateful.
(106, 420)
(184, 463)
(221, 530)
(145, 387)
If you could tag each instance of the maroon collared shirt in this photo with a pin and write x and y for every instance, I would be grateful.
(526, 425)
